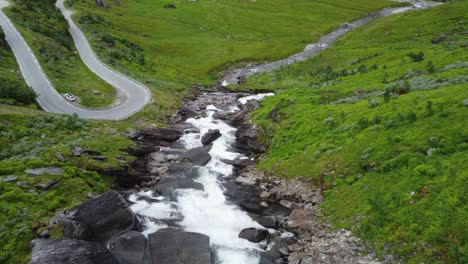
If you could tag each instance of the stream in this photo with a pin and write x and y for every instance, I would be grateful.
(206, 211)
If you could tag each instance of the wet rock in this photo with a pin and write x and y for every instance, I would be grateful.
(141, 150)
(160, 136)
(238, 118)
(238, 162)
(252, 206)
(47, 186)
(198, 156)
(253, 234)
(171, 246)
(167, 186)
(210, 136)
(106, 215)
(128, 248)
(251, 105)
(45, 171)
(188, 112)
(10, 178)
(268, 221)
(69, 251)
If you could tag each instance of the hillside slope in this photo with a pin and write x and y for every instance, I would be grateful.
(379, 121)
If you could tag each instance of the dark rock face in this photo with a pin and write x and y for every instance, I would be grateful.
(48, 185)
(171, 246)
(198, 156)
(141, 150)
(210, 136)
(70, 251)
(253, 234)
(106, 215)
(246, 137)
(160, 136)
(129, 248)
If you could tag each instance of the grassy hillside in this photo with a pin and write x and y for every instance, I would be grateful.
(192, 41)
(13, 89)
(32, 139)
(46, 32)
(379, 121)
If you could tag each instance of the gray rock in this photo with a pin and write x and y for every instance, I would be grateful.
(210, 136)
(171, 246)
(45, 171)
(128, 248)
(106, 215)
(47, 186)
(268, 221)
(167, 186)
(141, 150)
(60, 157)
(253, 234)
(198, 156)
(22, 184)
(10, 178)
(71, 229)
(70, 251)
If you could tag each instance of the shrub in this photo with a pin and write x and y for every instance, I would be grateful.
(416, 57)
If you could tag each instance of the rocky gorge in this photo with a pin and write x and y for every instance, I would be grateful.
(193, 195)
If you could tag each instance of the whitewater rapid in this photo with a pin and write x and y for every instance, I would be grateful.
(207, 212)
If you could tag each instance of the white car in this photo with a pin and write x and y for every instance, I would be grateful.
(70, 97)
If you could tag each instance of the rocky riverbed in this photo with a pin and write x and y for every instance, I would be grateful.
(193, 195)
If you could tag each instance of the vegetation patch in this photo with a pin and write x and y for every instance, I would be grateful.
(377, 120)
(30, 139)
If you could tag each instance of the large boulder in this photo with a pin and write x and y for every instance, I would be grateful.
(171, 246)
(160, 136)
(129, 248)
(198, 156)
(70, 251)
(210, 136)
(106, 215)
(253, 234)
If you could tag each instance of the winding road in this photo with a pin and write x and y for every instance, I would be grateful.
(237, 76)
(137, 94)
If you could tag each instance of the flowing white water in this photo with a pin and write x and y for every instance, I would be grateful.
(207, 212)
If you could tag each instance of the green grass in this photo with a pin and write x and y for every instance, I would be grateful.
(370, 153)
(45, 30)
(194, 42)
(30, 139)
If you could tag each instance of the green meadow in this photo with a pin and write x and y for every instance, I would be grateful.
(379, 122)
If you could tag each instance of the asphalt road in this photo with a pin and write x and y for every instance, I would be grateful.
(137, 94)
